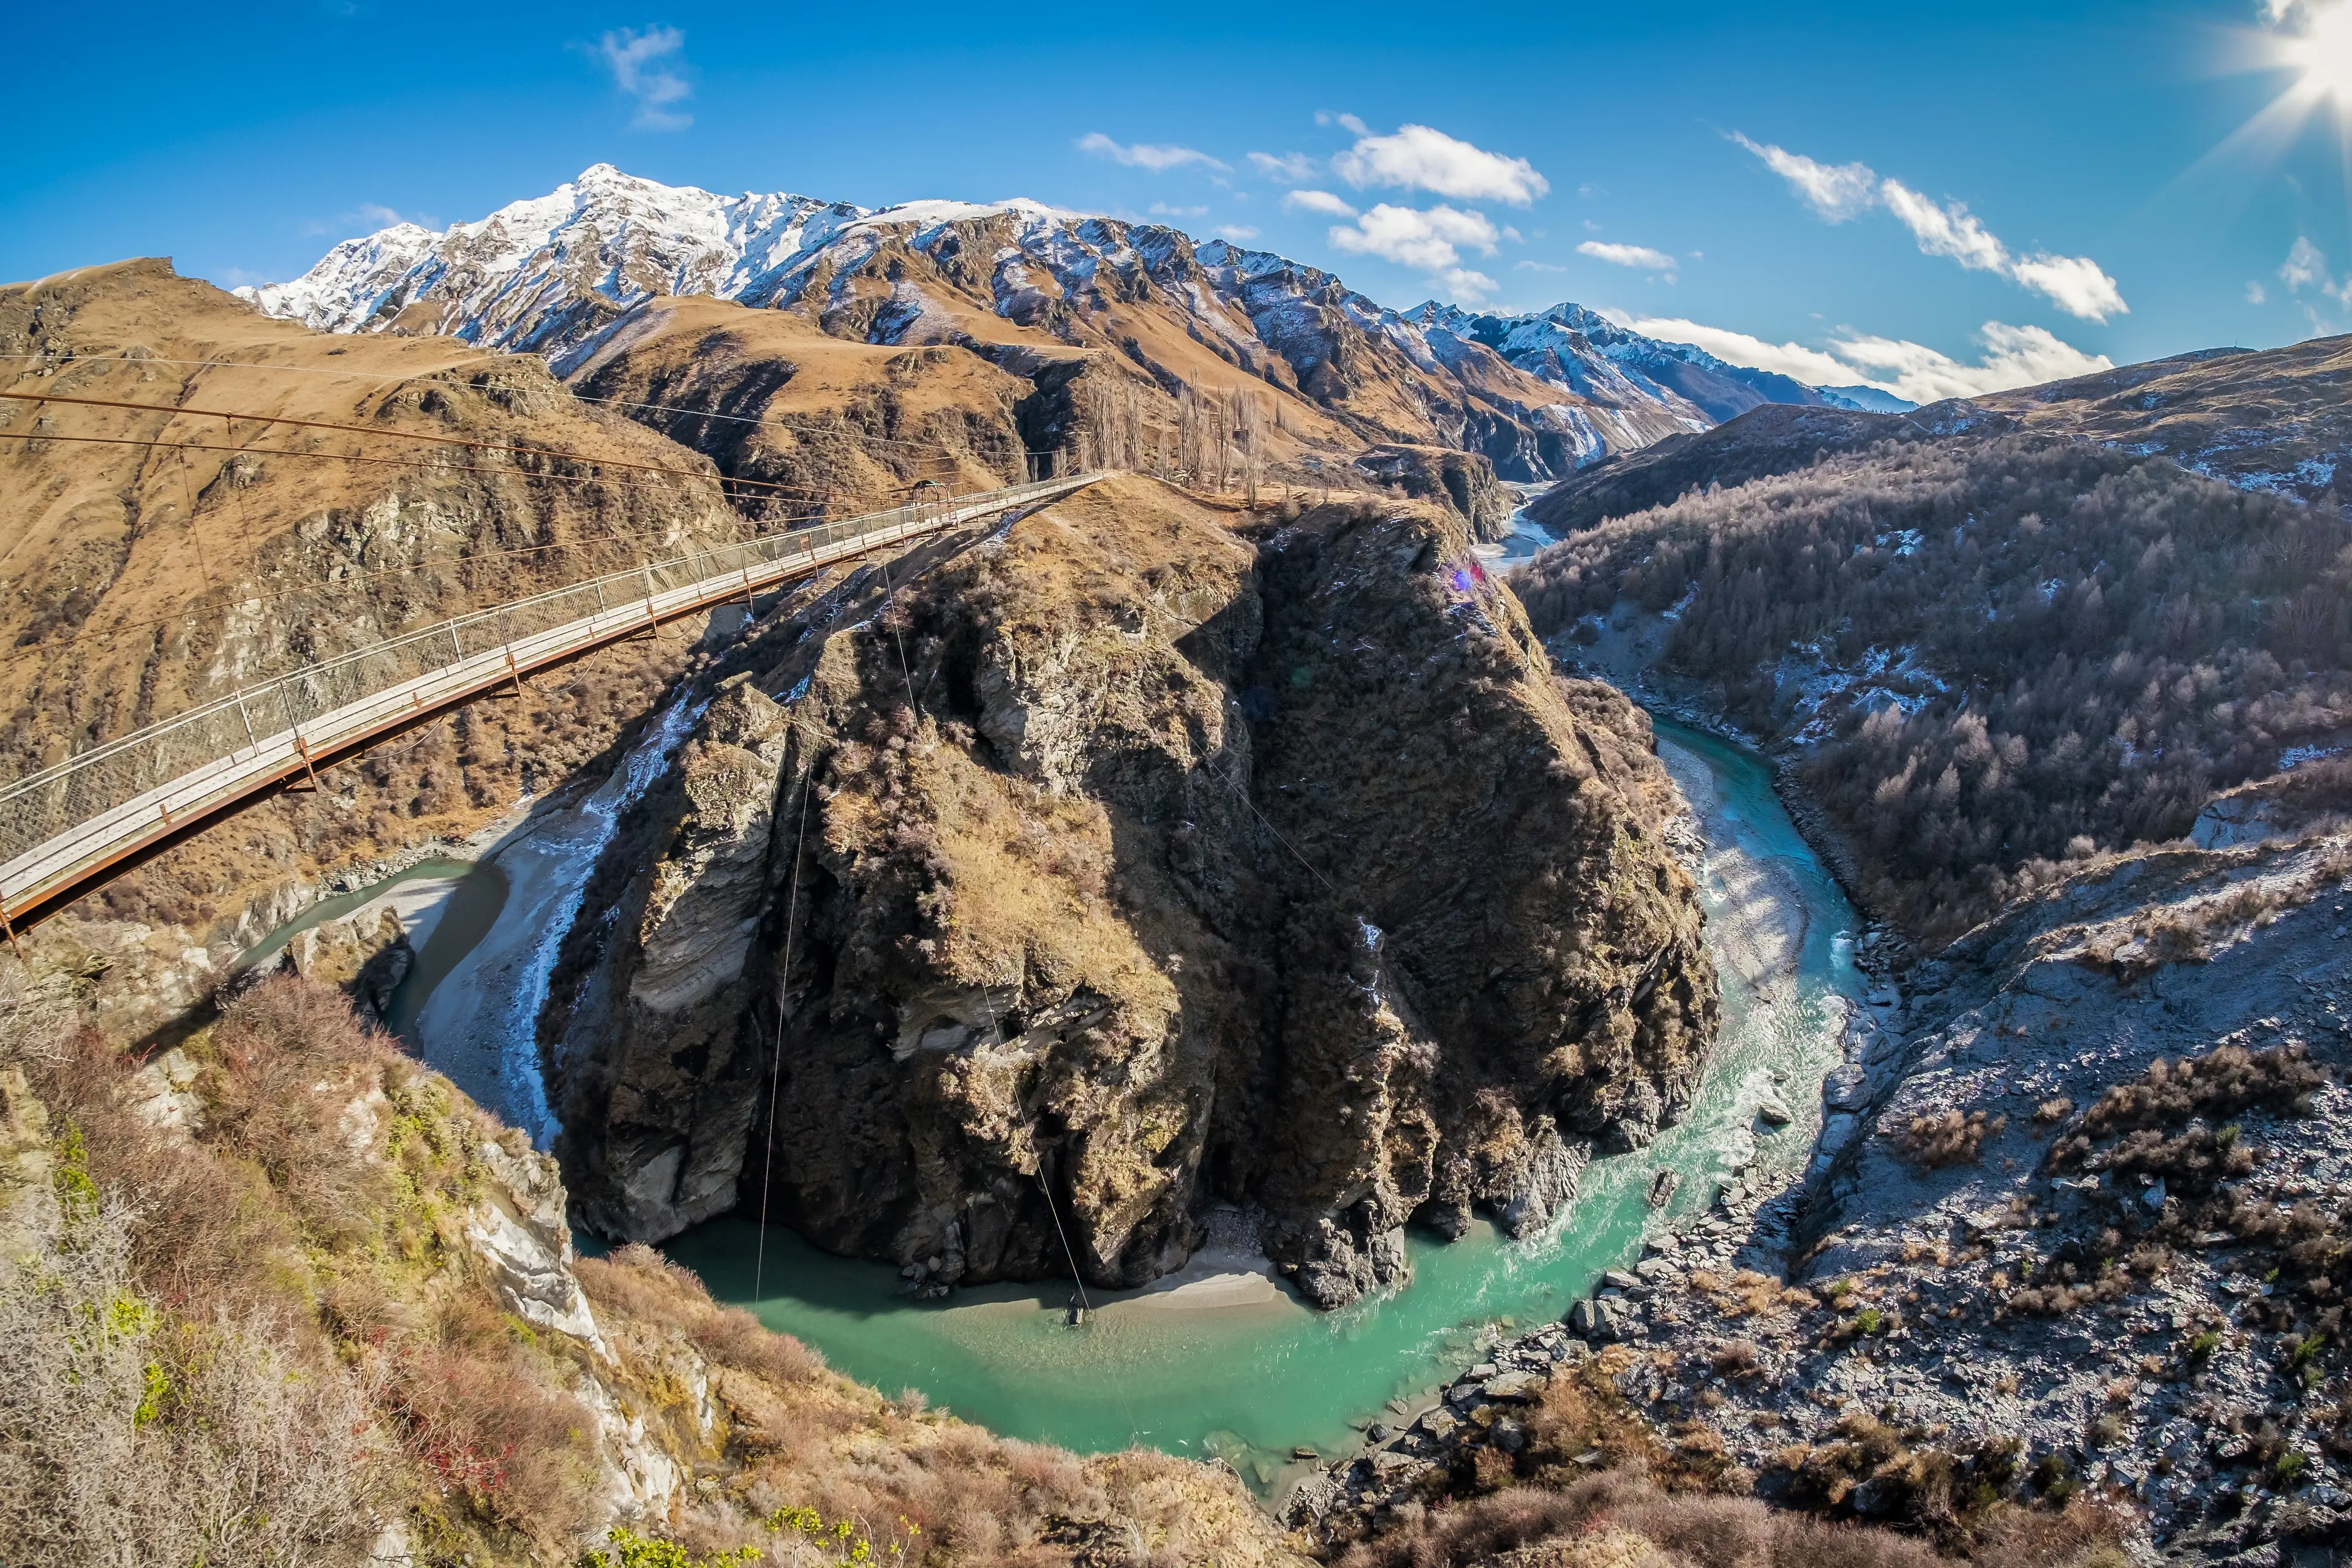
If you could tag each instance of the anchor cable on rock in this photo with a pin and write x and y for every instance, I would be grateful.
(776, 1062)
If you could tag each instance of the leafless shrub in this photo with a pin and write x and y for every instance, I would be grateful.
(2222, 1083)
(1735, 1358)
(1950, 1139)
(124, 1441)
(1620, 1518)
(641, 1282)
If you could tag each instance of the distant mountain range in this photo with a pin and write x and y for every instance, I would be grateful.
(1024, 284)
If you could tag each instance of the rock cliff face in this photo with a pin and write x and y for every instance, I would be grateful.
(1124, 863)
(1463, 481)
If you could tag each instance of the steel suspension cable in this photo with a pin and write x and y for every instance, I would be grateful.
(776, 1063)
(423, 375)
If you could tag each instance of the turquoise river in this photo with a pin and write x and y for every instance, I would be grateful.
(1235, 1366)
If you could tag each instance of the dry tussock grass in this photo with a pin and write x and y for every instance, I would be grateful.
(2224, 1082)
(1747, 1294)
(1623, 1521)
(1014, 873)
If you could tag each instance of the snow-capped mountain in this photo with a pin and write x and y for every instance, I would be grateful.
(1541, 394)
(1572, 346)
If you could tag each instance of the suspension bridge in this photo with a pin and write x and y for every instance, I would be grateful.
(74, 825)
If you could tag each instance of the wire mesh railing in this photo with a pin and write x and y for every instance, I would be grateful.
(179, 764)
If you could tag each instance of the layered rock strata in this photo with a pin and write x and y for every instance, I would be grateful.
(1136, 858)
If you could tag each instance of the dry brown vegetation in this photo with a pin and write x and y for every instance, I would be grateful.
(1621, 1521)
(1950, 1138)
(2226, 1081)
(143, 577)
(301, 1345)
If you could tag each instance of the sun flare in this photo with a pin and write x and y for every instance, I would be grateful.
(2322, 54)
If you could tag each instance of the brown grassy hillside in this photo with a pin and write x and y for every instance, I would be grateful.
(2273, 419)
(136, 577)
(771, 397)
(286, 1298)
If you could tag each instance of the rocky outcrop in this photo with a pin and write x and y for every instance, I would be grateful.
(367, 954)
(1463, 481)
(1119, 864)
(28, 1168)
(670, 1071)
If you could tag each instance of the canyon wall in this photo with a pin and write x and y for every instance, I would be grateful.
(1138, 857)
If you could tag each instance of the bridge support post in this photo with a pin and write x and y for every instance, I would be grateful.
(14, 946)
(302, 747)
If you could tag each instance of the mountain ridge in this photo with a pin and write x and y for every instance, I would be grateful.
(1541, 394)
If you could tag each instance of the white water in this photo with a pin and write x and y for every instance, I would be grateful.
(481, 1025)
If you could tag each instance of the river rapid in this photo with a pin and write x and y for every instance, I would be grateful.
(1222, 1359)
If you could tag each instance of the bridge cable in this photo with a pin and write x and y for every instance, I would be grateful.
(996, 1029)
(188, 492)
(776, 1063)
(425, 376)
(1243, 796)
(713, 477)
(802, 495)
(363, 430)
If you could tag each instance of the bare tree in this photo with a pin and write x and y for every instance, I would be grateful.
(1251, 431)
(123, 1444)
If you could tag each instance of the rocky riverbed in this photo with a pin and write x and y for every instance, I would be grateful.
(2075, 1224)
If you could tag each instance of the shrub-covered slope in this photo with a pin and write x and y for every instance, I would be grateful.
(1993, 655)
(283, 1297)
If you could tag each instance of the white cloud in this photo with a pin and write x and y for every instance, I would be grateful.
(1161, 209)
(1836, 191)
(1627, 255)
(2075, 284)
(1143, 155)
(2304, 266)
(1537, 267)
(1345, 122)
(1945, 231)
(641, 66)
(1237, 232)
(2254, 295)
(1419, 158)
(1469, 288)
(1811, 367)
(1290, 168)
(2014, 356)
(1425, 241)
(1317, 202)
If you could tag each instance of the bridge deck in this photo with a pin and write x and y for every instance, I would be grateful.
(288, 726)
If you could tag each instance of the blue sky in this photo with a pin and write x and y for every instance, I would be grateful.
(1786, 186)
